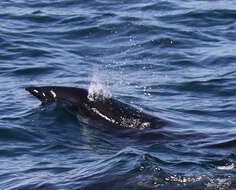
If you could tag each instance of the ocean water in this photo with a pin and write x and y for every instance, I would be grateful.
(172, 59)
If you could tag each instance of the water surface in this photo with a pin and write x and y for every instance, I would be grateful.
(173, 59)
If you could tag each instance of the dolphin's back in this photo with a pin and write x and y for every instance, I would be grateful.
(123, 114)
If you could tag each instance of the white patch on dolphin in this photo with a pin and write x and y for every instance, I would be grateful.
(105, 117)
(53, 93)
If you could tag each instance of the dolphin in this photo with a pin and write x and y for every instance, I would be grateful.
(98, 109)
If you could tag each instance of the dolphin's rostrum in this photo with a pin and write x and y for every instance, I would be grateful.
(99, 110)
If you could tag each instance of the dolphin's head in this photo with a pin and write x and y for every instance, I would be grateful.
(43, 93)
(49, 94)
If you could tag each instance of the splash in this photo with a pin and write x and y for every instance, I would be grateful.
(98, 89)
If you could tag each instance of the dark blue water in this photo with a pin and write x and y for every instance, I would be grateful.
(173, 59)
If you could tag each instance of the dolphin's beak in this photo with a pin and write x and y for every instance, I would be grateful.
(33, 91)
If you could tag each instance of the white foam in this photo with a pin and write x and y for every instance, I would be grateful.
(227, 167)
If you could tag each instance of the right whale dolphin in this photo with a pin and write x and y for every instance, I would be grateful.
(98, 110)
